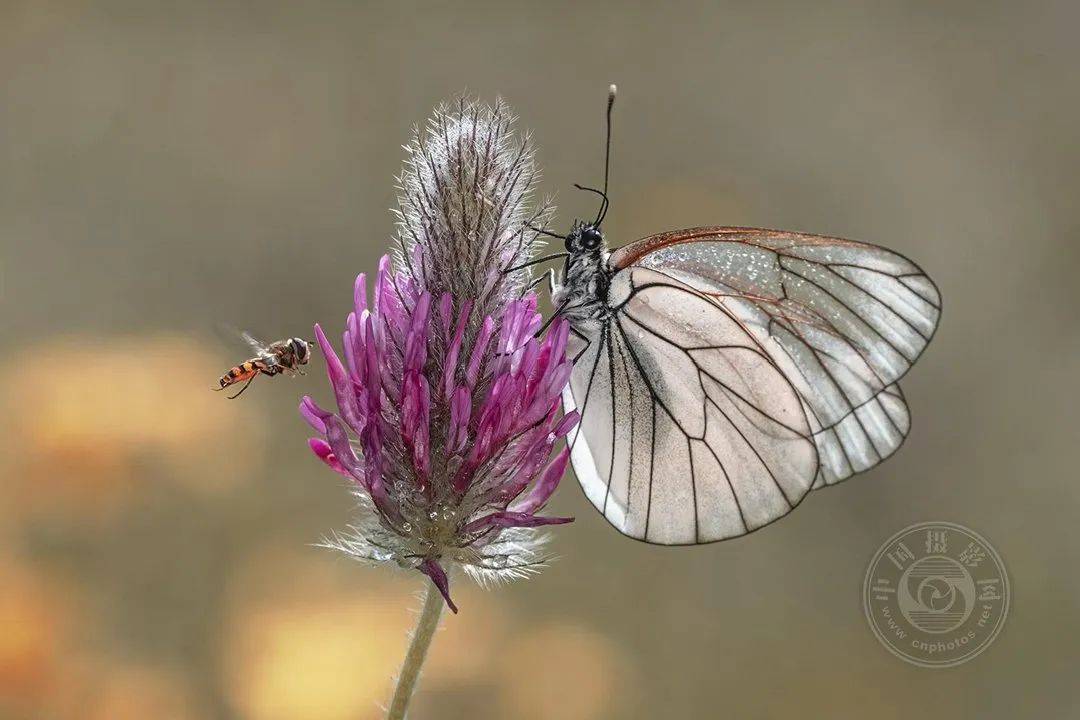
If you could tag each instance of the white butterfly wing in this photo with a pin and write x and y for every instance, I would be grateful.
(843, 320)
(689, 431)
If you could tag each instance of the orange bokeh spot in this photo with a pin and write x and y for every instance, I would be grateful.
(34, 619)
(87, 420)
(564, 671)
(313, 635)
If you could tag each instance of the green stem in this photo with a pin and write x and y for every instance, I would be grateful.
(418, 649)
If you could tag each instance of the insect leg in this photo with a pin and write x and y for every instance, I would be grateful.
(580, 336)
(552, 280)
(251, 380)
(557, 313)
(532, 285)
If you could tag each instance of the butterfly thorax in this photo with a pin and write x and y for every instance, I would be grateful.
(582, 296)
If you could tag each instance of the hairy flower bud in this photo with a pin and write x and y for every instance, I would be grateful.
(448, 408)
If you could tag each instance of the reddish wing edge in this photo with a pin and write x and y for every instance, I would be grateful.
(860, 423)
(772, 239)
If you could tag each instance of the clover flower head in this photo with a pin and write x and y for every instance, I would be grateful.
(447, 394)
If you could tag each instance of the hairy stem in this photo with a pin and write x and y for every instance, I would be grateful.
(418, 649)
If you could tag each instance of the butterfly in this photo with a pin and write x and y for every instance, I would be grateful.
(721, 373)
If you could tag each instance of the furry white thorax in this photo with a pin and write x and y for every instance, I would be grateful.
(582, 292)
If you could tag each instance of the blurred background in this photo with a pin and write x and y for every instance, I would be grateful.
(168, 167)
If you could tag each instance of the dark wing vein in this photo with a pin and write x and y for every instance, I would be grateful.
(844, 320)
(729, 446)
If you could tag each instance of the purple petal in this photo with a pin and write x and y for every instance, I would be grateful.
(546, 485)
(450, 367)
(479, 351)
(558, 335)
(340, 382)
(381, 283)
(347, 346)
(509, 518)
(511, 321)
(416, 422)
(433, 570)
(360, 294)
(460, 412)
(322, 450)
(569, 420)
(417, 341)
(381, 498)
(372, 371)
(338, 440)
(526, 359)
(313, 414)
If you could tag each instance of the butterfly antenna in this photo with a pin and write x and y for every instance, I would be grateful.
(537, 261)
(607, 156)
(603, 197)
(542, 231)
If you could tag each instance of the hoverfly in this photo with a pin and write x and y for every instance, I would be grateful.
(283, 356)
(721, 373)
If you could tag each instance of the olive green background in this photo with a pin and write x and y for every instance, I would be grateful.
(168, 167)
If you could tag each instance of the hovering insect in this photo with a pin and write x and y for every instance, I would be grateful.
(283, 356)
(721, 373)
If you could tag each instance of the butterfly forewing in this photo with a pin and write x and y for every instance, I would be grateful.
(690, 432)
(842, 321)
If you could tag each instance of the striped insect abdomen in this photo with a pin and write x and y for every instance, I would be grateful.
(241, 372)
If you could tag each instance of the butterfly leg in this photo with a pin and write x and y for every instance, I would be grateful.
(557, 313)
(553, 281)
(532, 285)
(583, 338)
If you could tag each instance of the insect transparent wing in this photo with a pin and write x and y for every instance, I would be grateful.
(229, 333)
(689, 432)
(257, 345)
(843, 320)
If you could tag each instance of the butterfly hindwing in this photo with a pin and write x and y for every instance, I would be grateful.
(690, 433)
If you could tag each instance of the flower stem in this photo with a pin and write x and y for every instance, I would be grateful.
(418, 648)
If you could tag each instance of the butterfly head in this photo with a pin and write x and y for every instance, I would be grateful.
(584, 239)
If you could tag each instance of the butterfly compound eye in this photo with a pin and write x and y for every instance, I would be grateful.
(591, 238)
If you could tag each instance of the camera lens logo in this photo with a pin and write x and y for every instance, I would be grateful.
(936, 594)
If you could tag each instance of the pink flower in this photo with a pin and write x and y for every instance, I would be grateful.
(448, 411)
